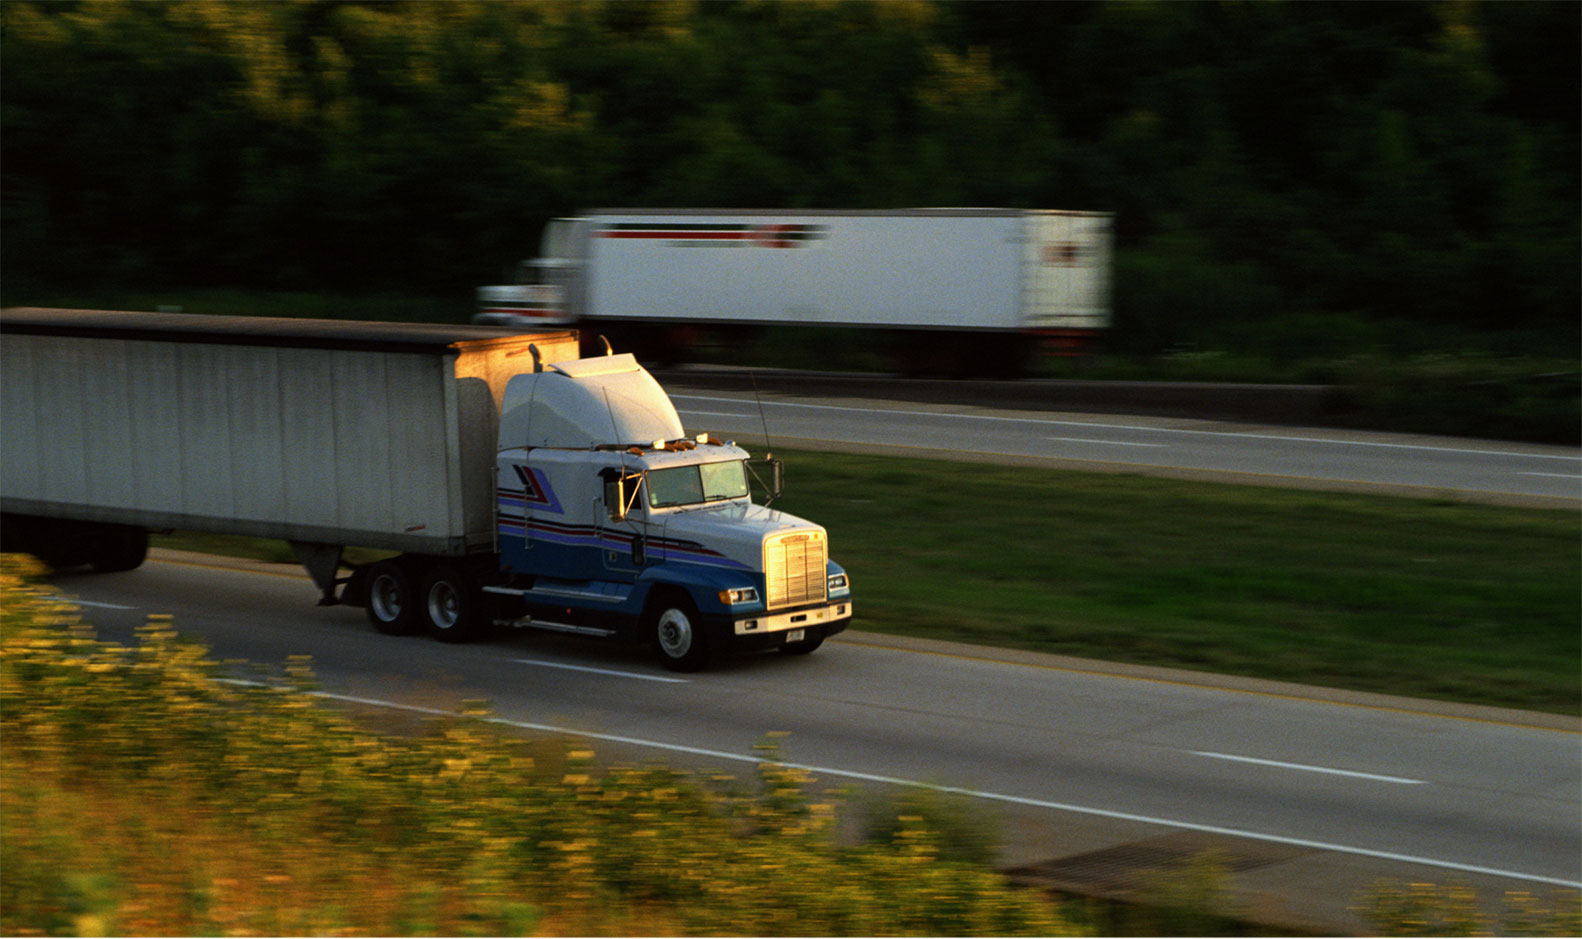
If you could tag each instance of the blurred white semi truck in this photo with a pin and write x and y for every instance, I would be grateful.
(510, 481)
(978, 289)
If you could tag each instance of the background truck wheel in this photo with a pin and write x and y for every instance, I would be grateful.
(118, 548)
(392, 600)
(674, 626)
(451, 605)
(803, 647)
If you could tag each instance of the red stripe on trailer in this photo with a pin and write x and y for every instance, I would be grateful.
(658, 233)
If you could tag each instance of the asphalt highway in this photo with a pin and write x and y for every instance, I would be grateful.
(1313, 795)
(1401, 464)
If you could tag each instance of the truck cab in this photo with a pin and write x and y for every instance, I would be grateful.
(613, 522)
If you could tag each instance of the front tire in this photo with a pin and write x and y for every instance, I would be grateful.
(451, 605)
(392, 600)
(676, 631)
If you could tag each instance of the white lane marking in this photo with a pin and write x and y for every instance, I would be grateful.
(712, 413)
(601, 671)
(1303, 767)
(102, 606)
(1155, 430)
(1108, 443)
(1554, 475)
(992, 796)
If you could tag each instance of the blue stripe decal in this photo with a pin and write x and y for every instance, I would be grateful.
(588, 536)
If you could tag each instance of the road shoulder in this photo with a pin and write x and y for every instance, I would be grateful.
(1237, 683)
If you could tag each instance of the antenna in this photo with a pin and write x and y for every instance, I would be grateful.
(527, 451)
(532, 398)
(768, 454)
(615, 431)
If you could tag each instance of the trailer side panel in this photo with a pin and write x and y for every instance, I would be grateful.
(283, 433)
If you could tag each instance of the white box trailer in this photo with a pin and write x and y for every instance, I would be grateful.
(1010, 273)
(319, 432)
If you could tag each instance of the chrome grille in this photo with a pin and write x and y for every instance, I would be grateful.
(794, 569)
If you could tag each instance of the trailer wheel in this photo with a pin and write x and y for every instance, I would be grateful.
(392, 603)
(674, 627)
(451, 604)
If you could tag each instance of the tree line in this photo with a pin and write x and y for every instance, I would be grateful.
(1402, 161)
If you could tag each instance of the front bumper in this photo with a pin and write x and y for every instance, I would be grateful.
(795, 619)
(769, 630)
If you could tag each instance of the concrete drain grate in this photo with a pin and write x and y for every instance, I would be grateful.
(1112, 872)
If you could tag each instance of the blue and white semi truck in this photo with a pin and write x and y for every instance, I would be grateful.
(511, 482)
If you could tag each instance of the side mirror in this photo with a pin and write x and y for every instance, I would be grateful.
(615, 499)
(615, 493)
(769, 475)
(620, 492)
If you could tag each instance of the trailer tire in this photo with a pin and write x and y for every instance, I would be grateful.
(675, 628)
(452, 607)
(392, 601)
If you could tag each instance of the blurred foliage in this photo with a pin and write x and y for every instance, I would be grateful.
(1469, 395)
(959, 827)
(1395, 909)
(145, 796)
(1415, 160)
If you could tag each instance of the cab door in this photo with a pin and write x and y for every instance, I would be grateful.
(625, 543)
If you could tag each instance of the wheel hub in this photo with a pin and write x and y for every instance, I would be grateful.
(444, 607)
(675, 633)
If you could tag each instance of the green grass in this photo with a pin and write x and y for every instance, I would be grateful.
(1430, 599)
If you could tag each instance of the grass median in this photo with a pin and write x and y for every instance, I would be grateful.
(1423, 598)
(1426, 598)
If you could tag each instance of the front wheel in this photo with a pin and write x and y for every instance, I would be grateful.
(675, 628)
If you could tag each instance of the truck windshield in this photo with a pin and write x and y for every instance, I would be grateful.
(701, 482)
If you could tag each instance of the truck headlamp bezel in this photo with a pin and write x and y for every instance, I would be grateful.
(736, 596)
(839, 582)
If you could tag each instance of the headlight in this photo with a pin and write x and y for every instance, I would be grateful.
(838, 582)
(743, 595)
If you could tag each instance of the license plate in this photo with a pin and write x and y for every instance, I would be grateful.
(796, 635)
